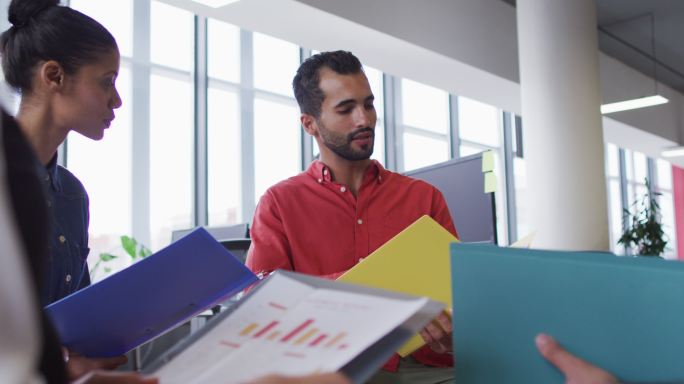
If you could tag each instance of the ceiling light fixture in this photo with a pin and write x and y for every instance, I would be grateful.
(215, 3)
(641, 102)
(673, 152)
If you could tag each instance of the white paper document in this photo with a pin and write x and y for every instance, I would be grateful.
(288, 327)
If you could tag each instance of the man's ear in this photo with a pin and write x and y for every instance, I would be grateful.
(51, 74)
(309, 124)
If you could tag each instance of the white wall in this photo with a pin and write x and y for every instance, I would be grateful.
(482, 33)
(454, 28)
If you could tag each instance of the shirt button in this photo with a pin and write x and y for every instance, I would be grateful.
(49, 203)
(62, 239)
(67, 278)
(320, 181)
(359, 221)
(47, 177)
(343, 189)
(360, 259)
(325, 171)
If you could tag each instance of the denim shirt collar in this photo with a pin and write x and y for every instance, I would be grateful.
(51, 169)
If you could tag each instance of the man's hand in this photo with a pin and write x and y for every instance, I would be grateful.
(437, 334)
(576, 370)
(78, 365)
(326, 378)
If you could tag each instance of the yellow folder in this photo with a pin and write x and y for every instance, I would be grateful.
(415, 261)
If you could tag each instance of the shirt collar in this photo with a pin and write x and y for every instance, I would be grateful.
(321, 173)
(51, 169)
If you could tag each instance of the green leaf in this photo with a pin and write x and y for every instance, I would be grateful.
(107, 257)
(129, 245)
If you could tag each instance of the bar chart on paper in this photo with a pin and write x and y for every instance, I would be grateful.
(290, 328)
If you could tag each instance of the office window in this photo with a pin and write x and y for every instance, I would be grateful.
(172, 34)
(224, 157)
(223, 51)
(171, 157)
(614, 195)
(277, 142)
(104, 168)
(116, 16)
(224, 149)
(663, 185)
(425, 124)
(478, 123)
(376, 83)
(275, 64)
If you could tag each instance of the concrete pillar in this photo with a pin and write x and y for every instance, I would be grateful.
(563, 138)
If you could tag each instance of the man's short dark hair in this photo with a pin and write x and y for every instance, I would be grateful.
(305, 83)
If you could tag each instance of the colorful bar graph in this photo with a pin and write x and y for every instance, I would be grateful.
(265, 329)
(336, 339)
(273, 335)
(306, 336)
(296, 331)
(248, 329)
(318, 340)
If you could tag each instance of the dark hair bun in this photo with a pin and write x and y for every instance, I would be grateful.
(21, 11)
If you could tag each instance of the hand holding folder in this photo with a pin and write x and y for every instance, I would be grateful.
(620, 313)
(415, 262)
(145, 300)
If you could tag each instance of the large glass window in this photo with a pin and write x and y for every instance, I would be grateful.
(275, 64)
(223, 51)
(171, 157)
(224, 157)
(276, 131)
(425, 124)
(116, 16)
(376, 83)
(224, 149)
(172, 35)
(663, 185)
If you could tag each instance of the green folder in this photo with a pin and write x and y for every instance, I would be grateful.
(623, 314)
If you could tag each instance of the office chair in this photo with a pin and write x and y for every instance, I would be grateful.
(238, 247)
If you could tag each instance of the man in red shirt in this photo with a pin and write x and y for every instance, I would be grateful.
(345, 205)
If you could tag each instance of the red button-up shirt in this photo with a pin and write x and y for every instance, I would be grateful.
(314, 225)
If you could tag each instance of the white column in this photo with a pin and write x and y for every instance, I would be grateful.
(563, 139)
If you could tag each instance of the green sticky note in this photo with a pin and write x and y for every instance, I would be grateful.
(489, 182)
(487, 161)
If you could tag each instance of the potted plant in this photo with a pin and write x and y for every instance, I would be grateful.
(644, 231)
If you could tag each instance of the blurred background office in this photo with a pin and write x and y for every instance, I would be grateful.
(209, 121)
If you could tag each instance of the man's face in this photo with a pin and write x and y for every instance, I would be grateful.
(346, 125)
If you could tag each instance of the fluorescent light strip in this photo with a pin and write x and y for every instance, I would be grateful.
(633, 104)
(215, 3)
(673, 152)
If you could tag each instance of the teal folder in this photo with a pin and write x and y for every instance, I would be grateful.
(623, 314)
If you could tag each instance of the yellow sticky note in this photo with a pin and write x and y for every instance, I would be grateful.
(487, 161)
(489, 182)
(415, 261)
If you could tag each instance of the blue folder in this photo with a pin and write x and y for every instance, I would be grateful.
(623, 314)
(133, 306)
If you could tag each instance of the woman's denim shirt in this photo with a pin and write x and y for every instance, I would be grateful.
(67, 270)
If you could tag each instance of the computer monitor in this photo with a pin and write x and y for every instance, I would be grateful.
(461, 181)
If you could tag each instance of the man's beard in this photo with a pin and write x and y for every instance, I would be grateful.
(341, 144)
